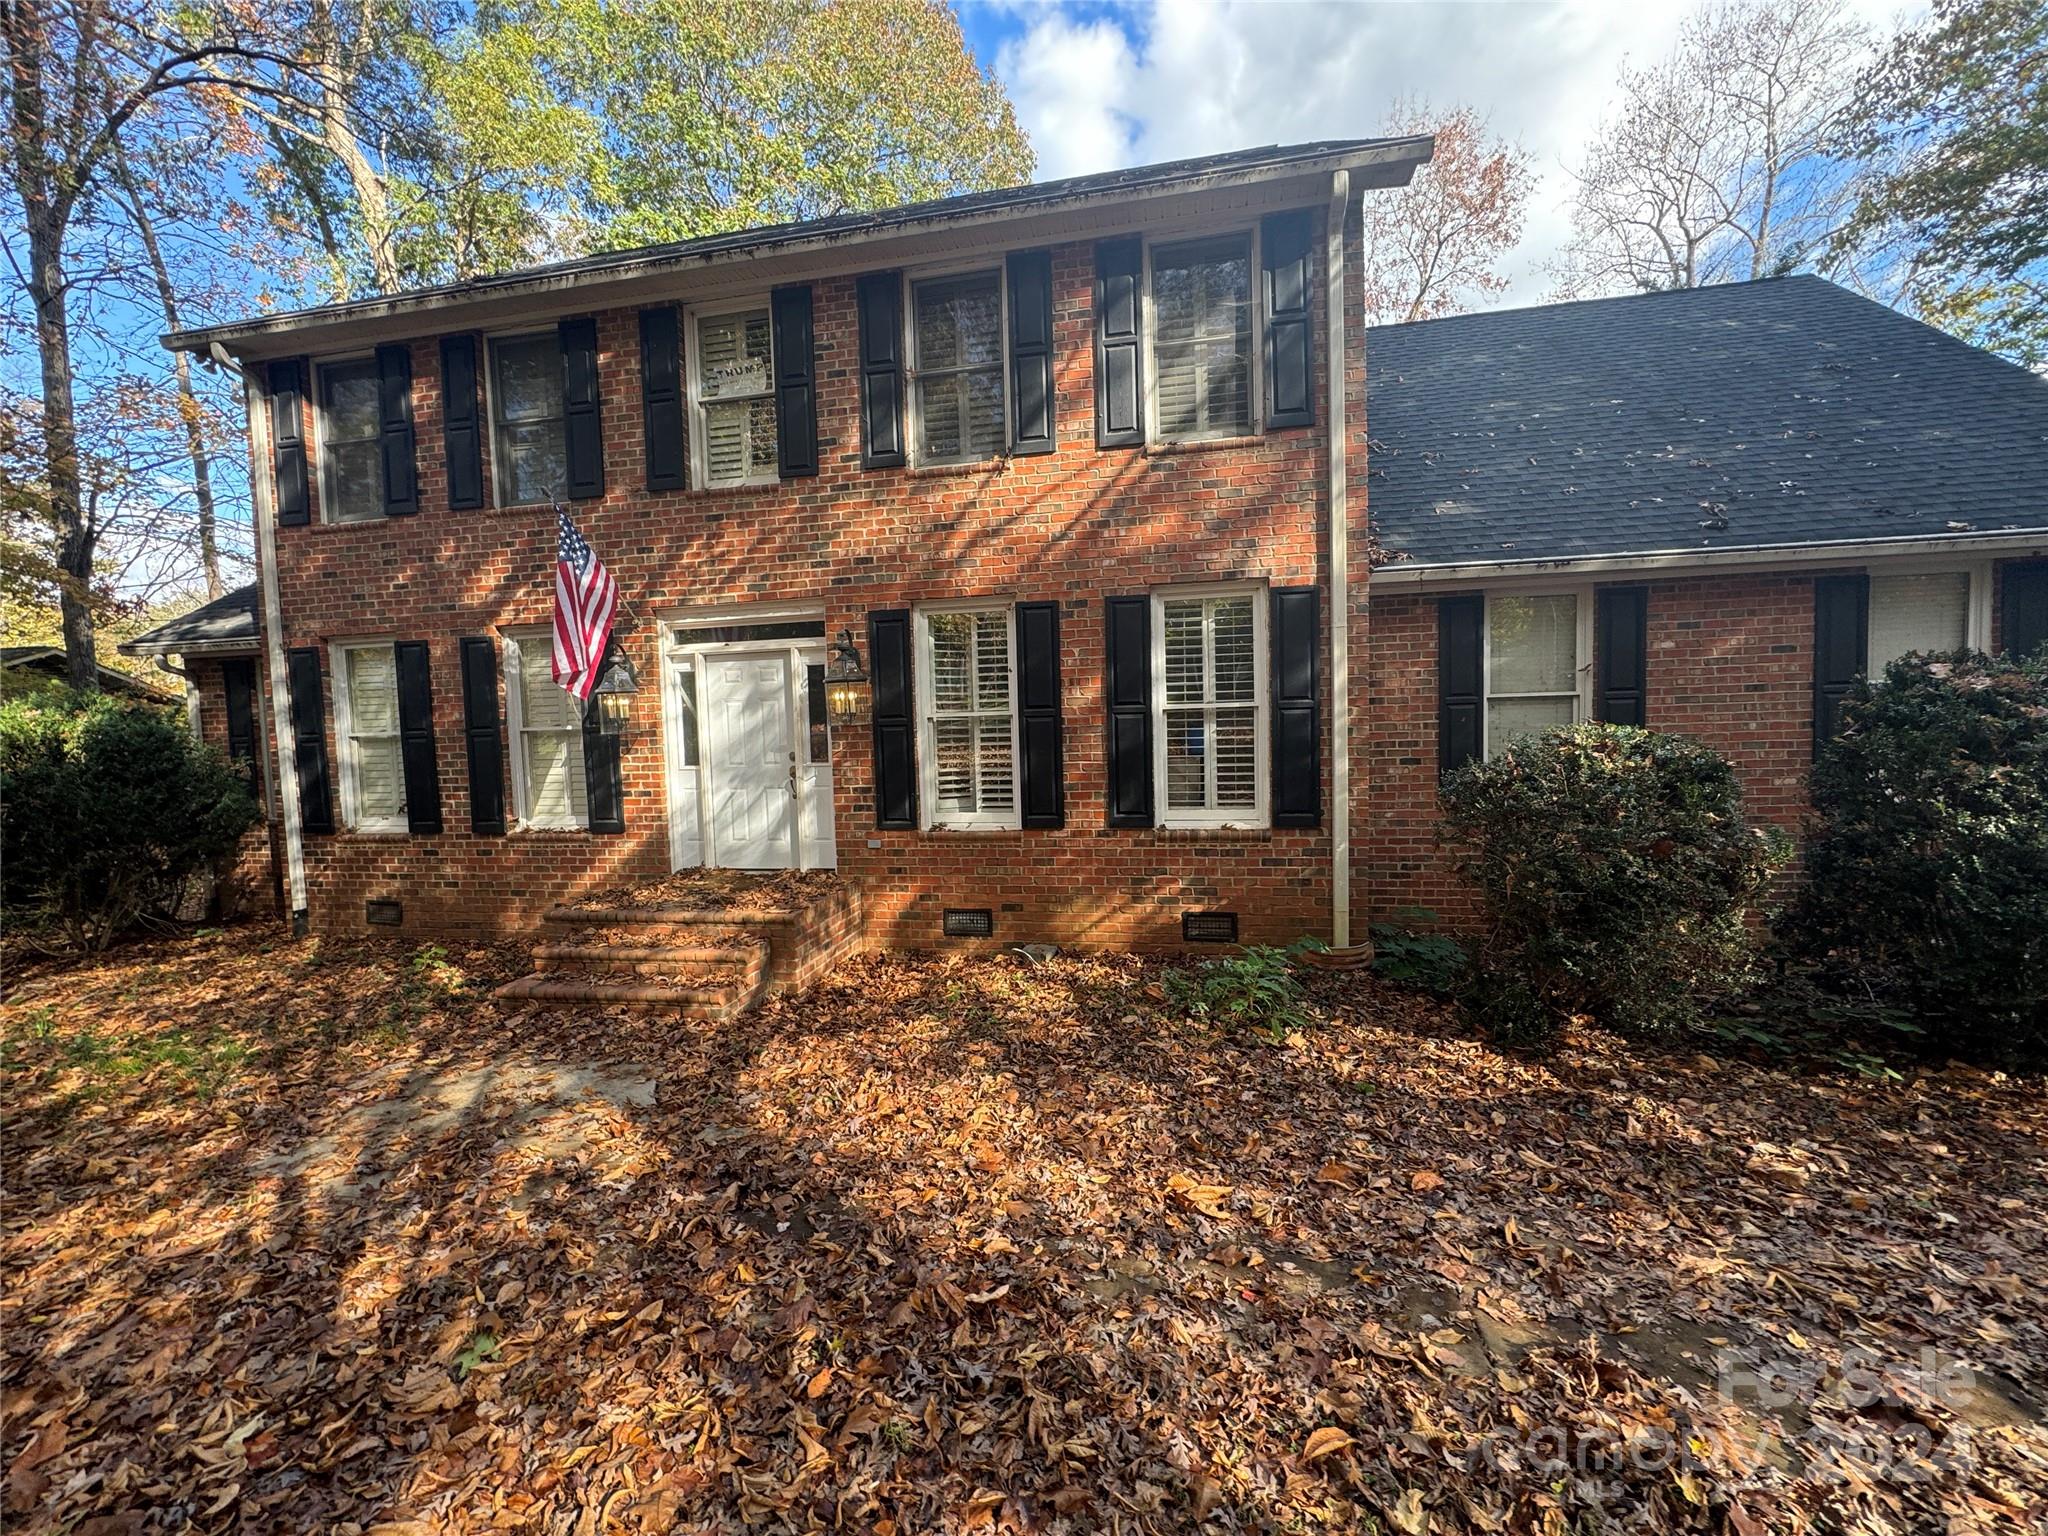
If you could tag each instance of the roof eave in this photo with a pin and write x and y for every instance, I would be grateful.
(1387, 163)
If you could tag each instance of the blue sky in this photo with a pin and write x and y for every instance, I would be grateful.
(1100, 86)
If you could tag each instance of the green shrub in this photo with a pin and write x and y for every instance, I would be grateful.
(1927, 872)
(107, 811)
(1258, 990)
(1430, 962)
(1614, 867)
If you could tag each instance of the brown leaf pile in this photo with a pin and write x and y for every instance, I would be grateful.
(978, 1246)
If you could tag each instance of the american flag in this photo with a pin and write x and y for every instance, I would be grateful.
(586, 597)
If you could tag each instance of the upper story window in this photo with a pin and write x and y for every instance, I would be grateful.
(529, 444)
(967, 696)
(1209, 686)
(956, 356)
(1920, 611)
(733, 398)
(1535, 649)
(1202, 360)
(366, 731)
(351, 469)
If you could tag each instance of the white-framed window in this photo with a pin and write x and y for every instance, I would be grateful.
(1539, 647)
(957, 391)
(967, 711)
(529, 439)
(732, 396)
(366, 731)
(1209, 705)
(348, 421)
(1202, 323)
(548, 786)
(1927, 610)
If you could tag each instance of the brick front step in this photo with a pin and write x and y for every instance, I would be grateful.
(743, 961)
(715, 1000)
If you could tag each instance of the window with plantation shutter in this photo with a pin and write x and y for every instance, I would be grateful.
(1210, 702)
(367, 729)
(967, 692)
(957, 368)
(733, 369)
(1923, 611)
(1202, 339)
(547, 738)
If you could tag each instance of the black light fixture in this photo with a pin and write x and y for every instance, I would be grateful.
(615, 690)
(846, 680)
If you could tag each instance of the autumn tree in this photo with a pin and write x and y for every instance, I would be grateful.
(1719, 162)
(1434, 246)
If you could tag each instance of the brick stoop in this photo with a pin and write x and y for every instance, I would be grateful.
(701, 963)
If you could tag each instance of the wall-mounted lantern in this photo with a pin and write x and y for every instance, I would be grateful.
(614, 693)
(846, 680)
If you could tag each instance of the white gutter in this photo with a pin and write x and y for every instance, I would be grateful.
(1778, 556)
(1340, 573)
(263, 497)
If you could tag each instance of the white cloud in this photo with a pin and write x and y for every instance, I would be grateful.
(1174, 78)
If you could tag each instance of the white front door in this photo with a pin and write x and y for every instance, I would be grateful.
(750, 750)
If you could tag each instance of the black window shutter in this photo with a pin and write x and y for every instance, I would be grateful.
(462, 434)
(1621, 646)
(238, 682)
(879, 302)
(480, 732)
(895, 728)
(1039, 726)
(661, 397)
(2023, 608)
(796, 387)
(1297, 711)
(1460, 687)
(1284, 241)
(602, 778)
(395, 435)
(1841, 646)
(287, 380)
(309, 739)
(582, 410)
(1032, 425)
(416, 738)
(1119, 350)
(1127, 674)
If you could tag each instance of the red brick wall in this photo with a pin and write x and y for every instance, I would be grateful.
(1075, 526)
(246, 884)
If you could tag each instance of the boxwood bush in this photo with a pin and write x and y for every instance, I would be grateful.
(1615, 870)
(107, 811)
(1927, 871)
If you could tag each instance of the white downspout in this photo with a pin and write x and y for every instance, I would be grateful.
(263, 509)
(1340, 574)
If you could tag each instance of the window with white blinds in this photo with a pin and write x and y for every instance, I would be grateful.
(373, 771)
(1210, 693)
(1202, 339)
(350, 455)
(1532, 665)
(547, 734)
(957, 367)
(733, 365)
(528, 438)
(967, 689)
(1927, 611)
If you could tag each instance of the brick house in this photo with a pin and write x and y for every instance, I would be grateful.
(1071, 468)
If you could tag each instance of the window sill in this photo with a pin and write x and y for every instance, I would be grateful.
(1203, 444)
(528, 829)
(971, 831)
(989, 466)
(1222, 832)
(734, 487)
(379, 834)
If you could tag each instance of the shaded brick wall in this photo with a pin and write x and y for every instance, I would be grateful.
(247, 883)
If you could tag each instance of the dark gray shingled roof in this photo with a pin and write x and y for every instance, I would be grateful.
(1786, 411)
(228, 622)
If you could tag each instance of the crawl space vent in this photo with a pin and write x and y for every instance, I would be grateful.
(385, 914)
(970, 923)
(1208, 927)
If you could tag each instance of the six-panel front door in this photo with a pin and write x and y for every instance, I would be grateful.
(751, 753)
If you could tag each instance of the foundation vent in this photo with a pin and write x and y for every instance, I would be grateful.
(384, 914)
(969, 923)
(1208, 927)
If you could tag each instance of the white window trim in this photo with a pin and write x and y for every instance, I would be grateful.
(927, 736)
(912, 415)
(1231, 818)
(489, 390)
(693, 353)
(1582, 662)
(512, 645)
(1149, 327)
(318, 383)
(345, 740)
(1977, 609)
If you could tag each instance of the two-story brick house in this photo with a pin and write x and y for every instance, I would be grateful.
(1073, 470)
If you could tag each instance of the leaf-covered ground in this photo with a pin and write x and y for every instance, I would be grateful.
(310, 1235)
